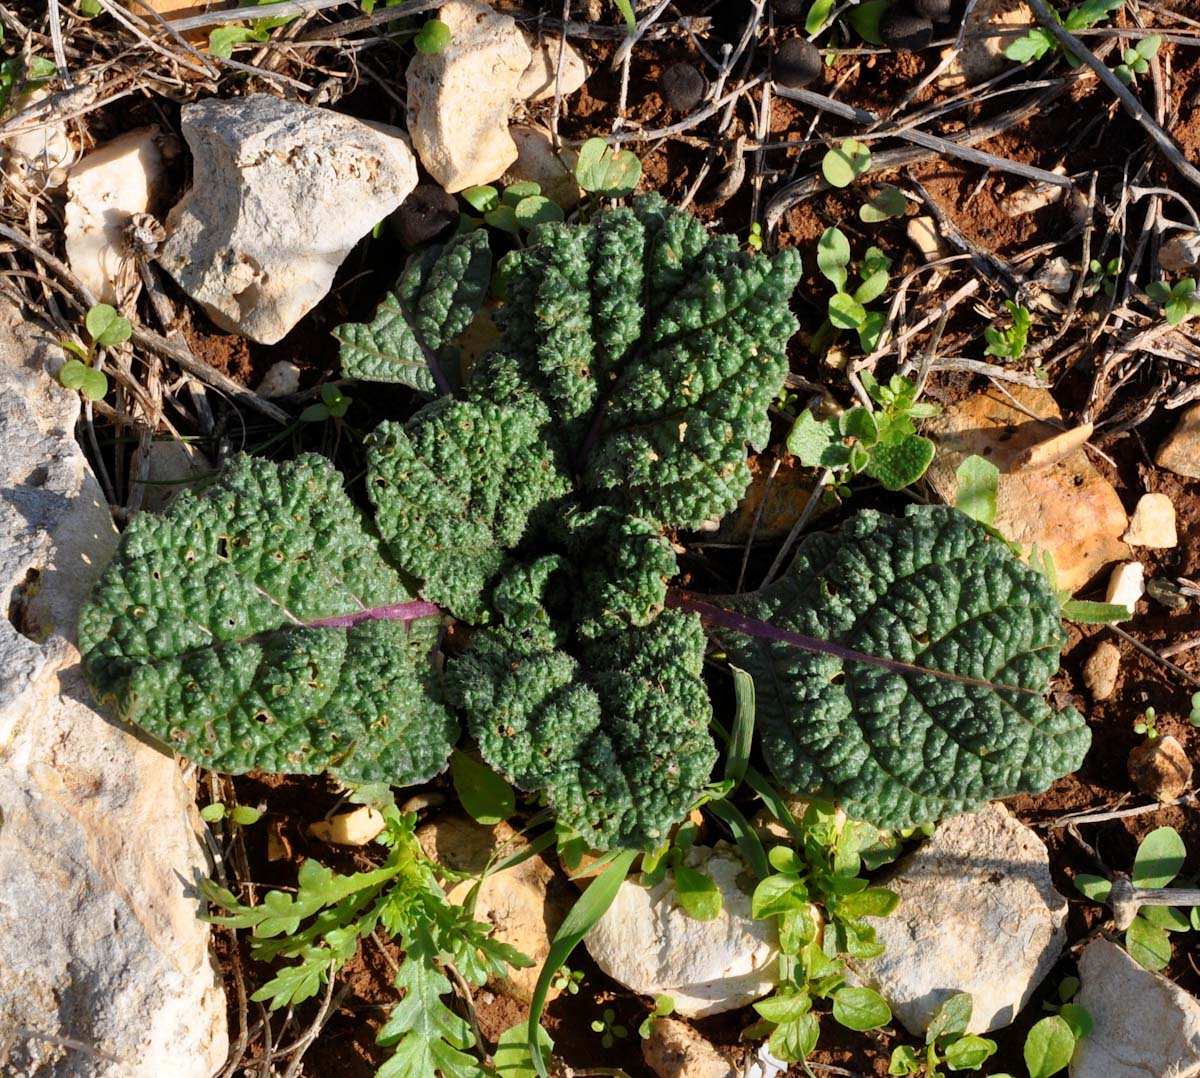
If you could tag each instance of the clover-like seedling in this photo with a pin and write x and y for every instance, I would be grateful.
(521, 206)
(663, 1006)
(333, 405)
(1194, 714)
(105, 329)
(1102, 276)
(888, 202)
(1136, 61)
(242, 815)
(1179, 301)
(1144, 906)
(1147, 724)
(843, 164)
(609, 1029)
(604, 171)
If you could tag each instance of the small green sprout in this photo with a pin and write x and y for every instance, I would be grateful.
(1146, 725)
(333, 405)
(242, 815)
(889, 202)
(1136, 61)
(663, 1006)
(755, 240)
(606, 172)
(1009, 343)
(433, 37)
(1194, 715)
(1102, 276)
(520, 206)
(946, 1041)
(1179, 301)
(105, 329)
(843, 164)
(609, 1031)
(847, 310)
(1035, 44)
(567, 980)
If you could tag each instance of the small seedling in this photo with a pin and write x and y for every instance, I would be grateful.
(105, 329)
(1009, 343)
(1146, 725)
(1136, 61)
(606, 1025)
(883, 444)
(843, 164)
(1038, 42)
(946, 1042)
(432, 38)
(333, 405)
(663, 1006)
(242, 815)
(1102, 276)
(625, 7)
(1138, 901)
(755, 240)
(17, 75)
(847, 310)
(889, 202)
(1194, 714)
(567, 980)
(697, 894)
(1179, 301)
(521, 207)
(606, 172)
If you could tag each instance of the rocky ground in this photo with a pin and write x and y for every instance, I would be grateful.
(237, 189)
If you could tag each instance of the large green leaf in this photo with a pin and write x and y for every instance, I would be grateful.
(411, 338)
(617, 737)
(899, 747)
(207, 631)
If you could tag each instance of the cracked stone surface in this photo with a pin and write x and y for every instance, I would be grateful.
(99, 939)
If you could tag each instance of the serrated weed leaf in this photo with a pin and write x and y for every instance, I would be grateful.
(234, 633)
(901, 749)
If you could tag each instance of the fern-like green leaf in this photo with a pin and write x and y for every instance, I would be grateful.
(411, 338)
(902, 748)
(207, 631)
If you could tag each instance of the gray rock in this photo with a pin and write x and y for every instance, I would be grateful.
(1180, 453)
(460, 99)
(1101, 670)
(99, 940)
(1143, 1026)
(647, 942)
(281, 193)
(675, 1050)
(978, 913)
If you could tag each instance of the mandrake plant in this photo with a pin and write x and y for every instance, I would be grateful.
(271, 623)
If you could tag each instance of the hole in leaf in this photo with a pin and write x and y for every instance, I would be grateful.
(223, 548)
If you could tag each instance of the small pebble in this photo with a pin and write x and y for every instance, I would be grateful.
(427, 213)
(1101, 670)
(923, 234)
(904, 30)
(1126, 585)
(683, 86)
(355, 828)
(796, 63)
(282, 380)
(1160, 767)
(1152, 523)
(675, 1050)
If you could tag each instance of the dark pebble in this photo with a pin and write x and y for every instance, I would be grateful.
(683, 87)
(425, 215)
(905, 31)
(796, 63)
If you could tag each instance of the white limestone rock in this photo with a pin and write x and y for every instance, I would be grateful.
(675, 1050)
(538, 79)
(38, 151)
(104, 190)
(978, 913)
(99, 938)
(357, 828)
(460, 99)
(1126, 585)
(1152, 523)
(647, 943)
(281, 193)
(1143, 1026)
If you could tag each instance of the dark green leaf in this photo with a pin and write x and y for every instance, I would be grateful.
(485, 796)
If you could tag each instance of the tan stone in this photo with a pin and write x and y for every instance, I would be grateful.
(923, 234)
(1152, 523)
(1180, 453)
(1126, 585)
(355, 828)
(984, 41)
(1101, 670)
(1160, 767)
(675, 1050)
(1068, 509)
(538, 81)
